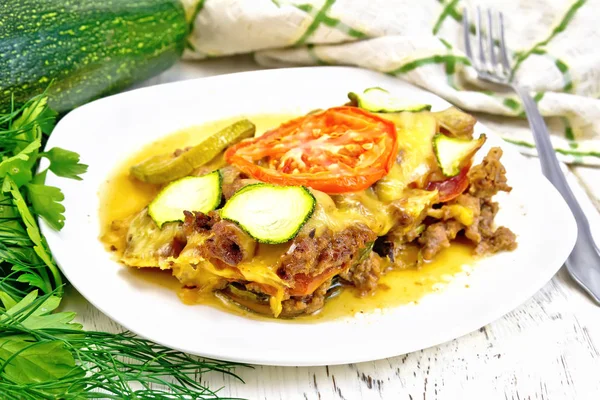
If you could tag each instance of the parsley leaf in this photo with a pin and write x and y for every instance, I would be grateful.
(27, 125)
(25, 302)
(32, 312)
(32, 279)
(65, 163)
(26, 362)
(19, 166)
(61, 320)
(43, 353)
(32, 229)
(36, 313)
(45, 201)
(7, 300)
(47, 120)
(7, 213)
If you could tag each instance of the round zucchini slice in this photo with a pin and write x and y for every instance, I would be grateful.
(376, 99)
(192, 193)
(453, 153)
(269, 213)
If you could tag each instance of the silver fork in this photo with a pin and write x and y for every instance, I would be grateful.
(584, 261)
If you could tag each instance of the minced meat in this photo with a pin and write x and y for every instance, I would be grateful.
(438, 236)
(364, 276)
(306, 304)
(502, 239)
(313, 255)
(489, 177)
(199, 222)
(485, 180)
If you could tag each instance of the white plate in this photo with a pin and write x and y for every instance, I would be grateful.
(111, 129)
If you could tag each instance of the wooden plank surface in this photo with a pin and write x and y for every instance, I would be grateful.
(548, 348)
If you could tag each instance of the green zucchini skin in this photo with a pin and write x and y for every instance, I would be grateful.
(298, 217)
(87, 48)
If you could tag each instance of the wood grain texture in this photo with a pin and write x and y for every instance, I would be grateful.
(548, 348)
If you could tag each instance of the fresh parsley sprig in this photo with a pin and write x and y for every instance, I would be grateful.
(43, 353)
(24, 256)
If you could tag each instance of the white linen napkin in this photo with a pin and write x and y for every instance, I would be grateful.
(555, 52)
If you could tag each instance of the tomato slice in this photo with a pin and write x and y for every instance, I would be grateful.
(451, 187)
(339, 150)
(305, 285)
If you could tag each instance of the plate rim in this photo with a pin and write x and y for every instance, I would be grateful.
(492, 315)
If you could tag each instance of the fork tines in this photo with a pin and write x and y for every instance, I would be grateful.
(486, 62)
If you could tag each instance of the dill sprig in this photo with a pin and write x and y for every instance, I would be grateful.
(43, 353)
(90, 364)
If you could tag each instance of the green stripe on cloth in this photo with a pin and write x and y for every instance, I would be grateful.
(560, 65)
(314, 25)
(334, 22)
(512, 104)
(199, 6)
(452, 12)
(450, 69)
(558, 29)
(519, 143)
(564, 68)
(537, 98)
(445, 12)
(568, 129)
(458, 16)
(437, 59)
(569, 133)
(305, 7)
(450, 66)
(574, 153)
(445, 43)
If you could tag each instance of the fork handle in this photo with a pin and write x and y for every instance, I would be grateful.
(550, 164)
(585, 246)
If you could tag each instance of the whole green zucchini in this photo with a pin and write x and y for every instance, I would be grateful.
(86, 48)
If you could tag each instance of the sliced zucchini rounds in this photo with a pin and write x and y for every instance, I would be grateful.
(452, 153)
(269, 213)
(192, 193)
(376, 99)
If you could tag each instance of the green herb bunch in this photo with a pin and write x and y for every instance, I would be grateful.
(43, 353)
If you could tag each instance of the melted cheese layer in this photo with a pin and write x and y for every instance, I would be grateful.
(376, 207)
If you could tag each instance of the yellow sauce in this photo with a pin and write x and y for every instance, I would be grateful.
(401, 287)
(122, 196)
(396, 288)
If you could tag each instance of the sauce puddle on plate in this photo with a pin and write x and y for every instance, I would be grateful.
(399, 287)
(122, 196)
